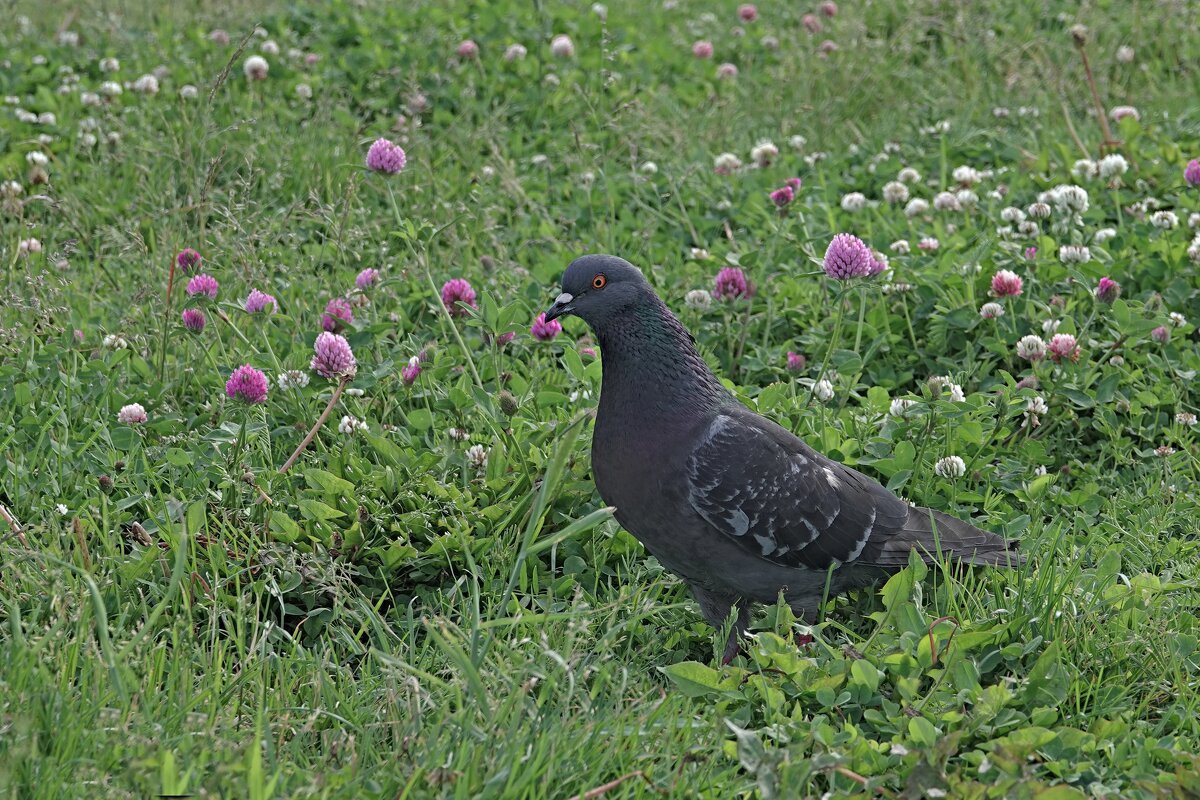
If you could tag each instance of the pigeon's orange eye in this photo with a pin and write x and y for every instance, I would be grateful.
(599, 282)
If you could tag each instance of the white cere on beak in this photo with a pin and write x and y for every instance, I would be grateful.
(563, 299)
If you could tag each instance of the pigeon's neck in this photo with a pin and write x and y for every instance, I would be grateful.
(652, 368)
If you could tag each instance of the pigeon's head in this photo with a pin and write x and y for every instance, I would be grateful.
(599, 288)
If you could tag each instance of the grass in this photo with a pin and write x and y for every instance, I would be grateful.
(389, 618)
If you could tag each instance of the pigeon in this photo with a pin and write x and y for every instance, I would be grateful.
(735, 505)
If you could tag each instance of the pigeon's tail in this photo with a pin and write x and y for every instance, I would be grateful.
(933, 533)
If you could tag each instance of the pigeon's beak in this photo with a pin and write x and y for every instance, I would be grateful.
(561, 306)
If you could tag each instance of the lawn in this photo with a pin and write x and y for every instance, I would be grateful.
(295, 486)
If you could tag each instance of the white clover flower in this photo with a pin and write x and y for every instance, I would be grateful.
(908, 175)
(901, 406)
(726, 164)
(1186, 419)
(967, 175)
(47, 118)
(62, 510)
(946, 201)
(1125, 54)
(1165, 220)
(823, 391)
(698, 299)
(1085, 168)
(1012, 214)
(764, 153)
(109, 65)
(1031, 348)
(1177, 319)
(37, 158)
(539, 159)
(1038, 210)
(1037, 406)
(115, 341)
(1113, 165)
(1074, 254)
(132, 414)
(188, 92)
(916, 207)
(147, 84)
(487, 172)
(1051, 326)
(950, 467)
(854, 201)
(110, 89)
(991, 311)
(477, 456)
(648, 168)
(90, 99)
(955, 393)
(895, 192)
(30, 245)
(1103, 235)
(256, 68)
(587, 178)
(292, 379)
(1028, 228)
(270, 48)
(797, 142)
(10, 189)
(1068, 197)
(1000, 112)
(304, 91)
(350, 425)
(966, 198)
(900, 246)
(928, 244)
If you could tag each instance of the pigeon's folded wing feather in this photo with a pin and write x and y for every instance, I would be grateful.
(761, 486)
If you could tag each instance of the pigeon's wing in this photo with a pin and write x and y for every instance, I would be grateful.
(761, 486)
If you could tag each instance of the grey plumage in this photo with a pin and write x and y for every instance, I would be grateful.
(734, 504)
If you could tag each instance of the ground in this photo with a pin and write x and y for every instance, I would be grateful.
(431, 600)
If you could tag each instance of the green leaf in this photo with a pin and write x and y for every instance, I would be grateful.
(329, 483)
(420, 418)
(922, 732)
(315, 509)
(1048, 680)
(693, 678)
(863, 673)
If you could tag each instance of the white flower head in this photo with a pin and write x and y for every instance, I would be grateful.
(256, 68)
(1074, 254)
(477, 456)
(698, 299)
(908, 175)
(946, 201)
(967, 175)
(854, 201)
(1031, 348)
(950, 467)
(350, 425)
(823, 390)
(1164, 220)
(132, 414)
(916, 207)
(895, 192)
(726, 164)
(764, 153)
(1112, 166)
(901, 406)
